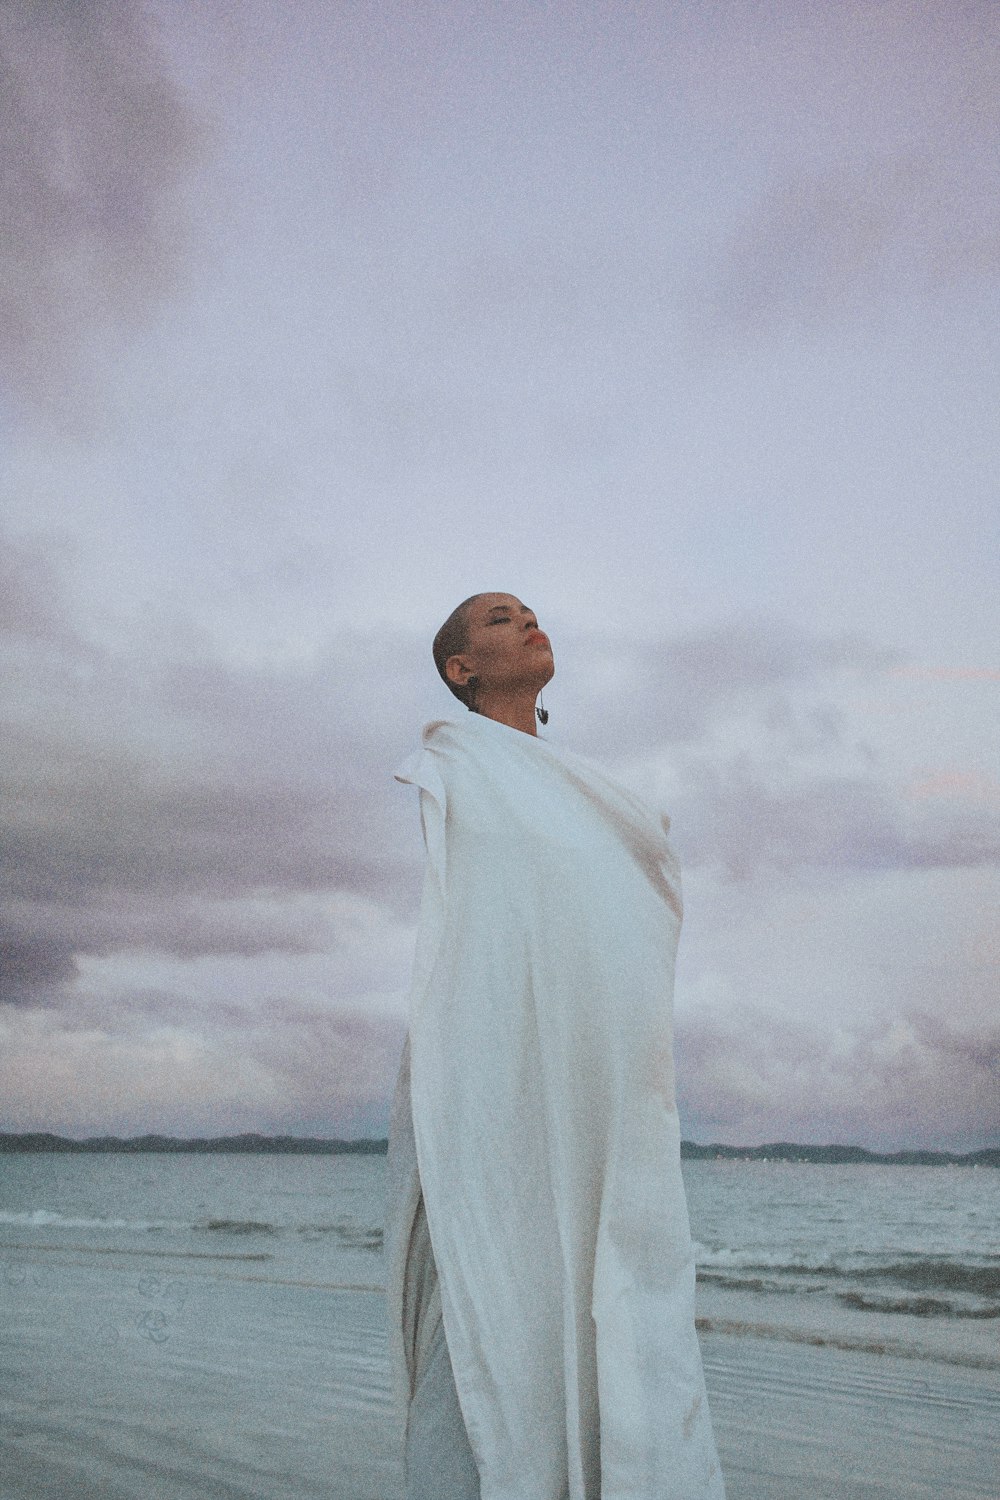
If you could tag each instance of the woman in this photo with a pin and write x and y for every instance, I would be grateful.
(541, 1284)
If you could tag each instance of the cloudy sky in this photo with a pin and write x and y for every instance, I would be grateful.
(678, 320)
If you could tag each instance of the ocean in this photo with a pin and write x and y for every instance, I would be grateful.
(184, 1325)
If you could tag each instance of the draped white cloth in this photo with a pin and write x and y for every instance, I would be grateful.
(535, 1110)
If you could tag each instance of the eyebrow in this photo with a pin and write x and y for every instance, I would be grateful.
(507, 609)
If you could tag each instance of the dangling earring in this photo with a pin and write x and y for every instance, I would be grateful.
(541, 712)
(470, 701)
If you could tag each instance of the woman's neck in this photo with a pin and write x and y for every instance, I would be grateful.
(515, 710)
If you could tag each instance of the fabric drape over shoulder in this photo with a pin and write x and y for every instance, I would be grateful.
(535, 1111)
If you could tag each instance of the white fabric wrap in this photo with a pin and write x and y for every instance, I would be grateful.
(535, 1109)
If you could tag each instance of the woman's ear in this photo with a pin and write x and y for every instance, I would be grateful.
(458, 669)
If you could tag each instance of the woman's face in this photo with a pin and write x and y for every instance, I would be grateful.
(504, 646)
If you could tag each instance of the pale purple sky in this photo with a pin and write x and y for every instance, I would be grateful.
(679, 321)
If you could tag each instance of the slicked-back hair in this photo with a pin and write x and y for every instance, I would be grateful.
(451, 640)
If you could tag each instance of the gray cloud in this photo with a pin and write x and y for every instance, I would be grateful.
(161, 1064)
(32, 604)
(31, 967)
(740, 817)
(752, 1077)
(674, 691)
(852, 237)
(97, 141)
(120, 825)
(40, 936)
(185, 807)
(963, 1049)
(313, 1057)
(776, 804)
(107, 850)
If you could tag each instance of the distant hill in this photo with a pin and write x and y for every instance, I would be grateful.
(839, 1155)
(299, 1145)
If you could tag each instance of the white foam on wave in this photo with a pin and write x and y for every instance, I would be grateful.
(47, 1218)
(350, 1234)
(756, 1257)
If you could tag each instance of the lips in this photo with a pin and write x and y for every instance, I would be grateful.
(537, 638)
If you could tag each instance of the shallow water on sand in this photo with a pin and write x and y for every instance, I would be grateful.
(181, 1326)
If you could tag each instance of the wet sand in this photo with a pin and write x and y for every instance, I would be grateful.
(152, 1379)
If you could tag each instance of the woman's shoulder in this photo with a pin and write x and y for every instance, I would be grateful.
(442, 734)
(437, 736)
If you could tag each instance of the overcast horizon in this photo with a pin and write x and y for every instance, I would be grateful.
(681, 323)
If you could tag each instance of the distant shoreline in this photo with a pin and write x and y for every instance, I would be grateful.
(294, 1145)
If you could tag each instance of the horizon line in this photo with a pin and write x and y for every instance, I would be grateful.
(378, 1144)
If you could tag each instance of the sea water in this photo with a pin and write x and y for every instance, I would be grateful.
(902, 1259)
(808, 1246)
(214, 1325)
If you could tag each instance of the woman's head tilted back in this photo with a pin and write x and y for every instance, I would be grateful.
(490, 651)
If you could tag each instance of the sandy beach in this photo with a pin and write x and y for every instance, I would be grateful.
(138, 1378)
(796, 1421)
